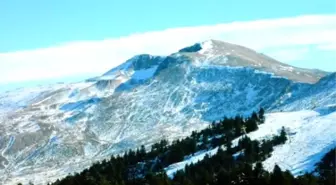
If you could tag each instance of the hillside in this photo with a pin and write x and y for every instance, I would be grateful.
(64, 128)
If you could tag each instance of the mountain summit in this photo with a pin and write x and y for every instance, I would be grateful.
(48, 132)
(226, 54)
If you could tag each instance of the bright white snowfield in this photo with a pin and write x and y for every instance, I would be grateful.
(310, 136)
(47, 132)
(192, 159)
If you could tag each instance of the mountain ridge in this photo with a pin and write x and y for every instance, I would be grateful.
(242, 56)
(146, 97)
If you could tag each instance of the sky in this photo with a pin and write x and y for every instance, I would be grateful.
(44, 40)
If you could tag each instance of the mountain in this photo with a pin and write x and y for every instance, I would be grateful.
(47, 132)
(221, 53)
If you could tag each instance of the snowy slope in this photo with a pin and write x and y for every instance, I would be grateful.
(192, 159)
(65, 127)
(310, 136)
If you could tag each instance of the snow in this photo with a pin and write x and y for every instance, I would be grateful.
(206, 47)
(172, 169)
(251, 93)
(310, 136)
(268, 73)
(201, 90)
(144, 74)
(125, 72)
(287, 68)
(17, 98)
(79, 104)
(313, 135)
(123, 67)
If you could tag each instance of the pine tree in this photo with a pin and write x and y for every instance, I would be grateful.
(142, 151)
(205, 141)
(228, 146)
(277, 177)
(260, 175)
(306, 179)
(251, 125)
(283, 136)
(223, 177)
(254, 116)
(261, 115)
(175, 155)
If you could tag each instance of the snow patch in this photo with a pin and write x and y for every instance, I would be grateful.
(206, 47)
(173, 168)
(144, 74)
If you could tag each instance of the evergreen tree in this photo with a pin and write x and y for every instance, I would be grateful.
(261, 115)
(306, 179)
(282, 138)
(223, 177)
(277, 177)
(326, 168)
(283, 135)
(228, 146)
(251, 125)
(254, 116)
(205, 141)
(175, 155)
(142, 151)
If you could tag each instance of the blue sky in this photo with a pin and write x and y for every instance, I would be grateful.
(38, 36)
(39, 23)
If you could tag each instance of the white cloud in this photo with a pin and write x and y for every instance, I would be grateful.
(330, 46)
(289, 55)
(99, 56)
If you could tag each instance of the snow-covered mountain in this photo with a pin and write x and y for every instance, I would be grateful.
(50, 131)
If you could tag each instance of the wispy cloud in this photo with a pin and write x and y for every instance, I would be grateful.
(330, 46)
(289, 55)
(96, 57)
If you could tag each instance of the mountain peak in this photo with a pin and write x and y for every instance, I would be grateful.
(215, 47)
(220, 53)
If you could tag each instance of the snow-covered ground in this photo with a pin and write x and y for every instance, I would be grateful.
(198, 156)
(310, 136)
(144, 100)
